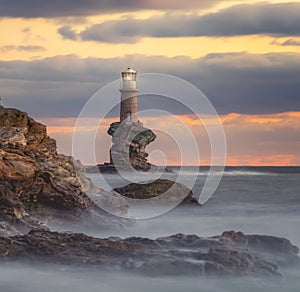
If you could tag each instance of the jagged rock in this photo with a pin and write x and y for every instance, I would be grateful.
(129, 144)
(173, 255)
(36, 183)
(173, 192)
(13, 136)
(85, 183)
(276, 249)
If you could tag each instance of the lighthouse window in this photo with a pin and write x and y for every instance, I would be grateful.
(128, 76)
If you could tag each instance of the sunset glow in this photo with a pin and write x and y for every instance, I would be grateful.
(54, 60)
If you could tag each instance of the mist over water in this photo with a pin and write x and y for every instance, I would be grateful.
(26, 278)
(251, 200)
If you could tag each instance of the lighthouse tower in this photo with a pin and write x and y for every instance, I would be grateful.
(129, 102)
(129, 136)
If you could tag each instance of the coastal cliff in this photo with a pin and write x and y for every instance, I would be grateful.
(36, 183)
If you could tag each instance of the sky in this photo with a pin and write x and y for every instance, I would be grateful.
(243, 55)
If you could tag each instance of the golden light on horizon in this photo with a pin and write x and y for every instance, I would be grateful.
(236, 126)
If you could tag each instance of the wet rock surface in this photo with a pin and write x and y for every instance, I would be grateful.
(36, 183)
(164, 191)
(231, 253)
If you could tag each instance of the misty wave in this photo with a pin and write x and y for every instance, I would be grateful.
(255, 204)
(217, 172)
(25, 278)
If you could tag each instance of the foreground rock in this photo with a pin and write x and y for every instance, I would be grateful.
(164, 191)
(36, 183)
(231, 253)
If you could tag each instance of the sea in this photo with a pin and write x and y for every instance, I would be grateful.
(254, 200)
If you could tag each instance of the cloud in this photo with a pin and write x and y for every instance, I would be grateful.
(289, 42)
(263, 140)
(281, 19)
(63, 8)
(67, 32)
(234, 82)
(22, 48)
(26, 30)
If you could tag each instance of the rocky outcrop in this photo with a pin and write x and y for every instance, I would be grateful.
(40, 188)
(129, 144)
(232, 253)
(36, 183)
(165, 192)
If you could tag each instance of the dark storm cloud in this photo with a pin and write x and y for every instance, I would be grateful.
(234, 82)
(22, 48)
(262, 18)
(61, 8)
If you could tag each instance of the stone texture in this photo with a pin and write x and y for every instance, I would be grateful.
(36, 183)
(173, 255)
(14, 136)
(166, 192)
(129, 144)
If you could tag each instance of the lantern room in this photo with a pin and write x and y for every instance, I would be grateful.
(129, 75)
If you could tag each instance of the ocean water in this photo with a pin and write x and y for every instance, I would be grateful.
(254, 200)
(260, 200)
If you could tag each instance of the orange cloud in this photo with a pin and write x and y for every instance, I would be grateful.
(271, 160)
(265, 120)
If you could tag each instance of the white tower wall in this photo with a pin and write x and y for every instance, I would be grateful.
(129, 101)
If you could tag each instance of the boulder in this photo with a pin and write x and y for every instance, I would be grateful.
(164, 191)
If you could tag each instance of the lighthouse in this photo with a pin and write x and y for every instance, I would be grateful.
(129, 101)
(129, 136)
